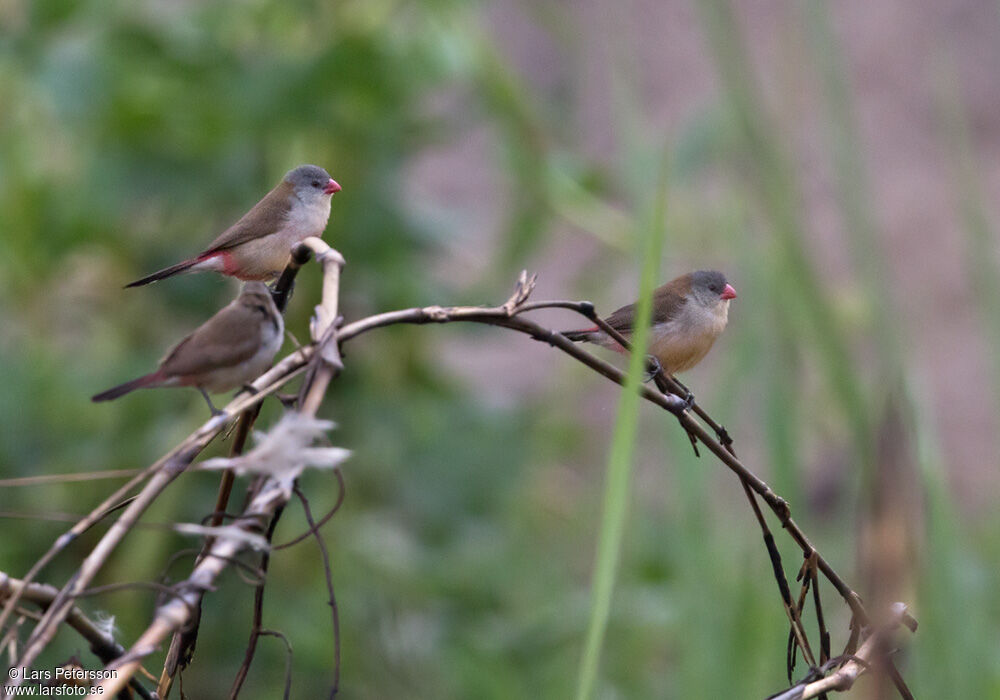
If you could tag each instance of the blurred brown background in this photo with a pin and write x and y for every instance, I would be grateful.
(907, 67)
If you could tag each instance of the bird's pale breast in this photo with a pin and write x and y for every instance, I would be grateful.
(682, 342)
(265, 257)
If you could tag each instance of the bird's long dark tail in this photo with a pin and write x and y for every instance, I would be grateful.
(122, 389)
(577, 336)
(166, 272)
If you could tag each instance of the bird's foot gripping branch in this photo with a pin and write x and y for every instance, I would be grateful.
(287, 449)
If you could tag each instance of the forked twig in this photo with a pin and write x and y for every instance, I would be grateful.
(256, 628)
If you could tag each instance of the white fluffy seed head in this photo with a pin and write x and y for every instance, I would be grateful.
(286, 450)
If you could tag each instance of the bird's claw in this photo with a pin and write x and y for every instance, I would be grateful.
(686, 406)
(653, 368)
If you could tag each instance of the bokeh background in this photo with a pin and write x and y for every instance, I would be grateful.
(839, 161)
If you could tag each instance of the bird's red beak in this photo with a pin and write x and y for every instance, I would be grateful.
(729, 292)
(331, 187)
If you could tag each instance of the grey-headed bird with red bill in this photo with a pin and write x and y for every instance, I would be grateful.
(689, 313)
(258, 246)
(229, 350)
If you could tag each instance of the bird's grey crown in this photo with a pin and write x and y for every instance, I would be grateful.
(306, 175)
(708, 281)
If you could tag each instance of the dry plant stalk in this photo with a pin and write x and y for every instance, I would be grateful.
(872, 652)
(322, 363)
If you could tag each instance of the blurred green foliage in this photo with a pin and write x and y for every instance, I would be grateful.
(131, 133)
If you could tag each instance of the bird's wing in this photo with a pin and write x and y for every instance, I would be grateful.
(622, 319)
(267, 216)
(230, 337)
(667, 301)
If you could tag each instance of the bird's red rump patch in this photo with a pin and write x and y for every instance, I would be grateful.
(229, 265)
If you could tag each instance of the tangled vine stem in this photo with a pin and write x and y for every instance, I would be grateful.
(321, 362)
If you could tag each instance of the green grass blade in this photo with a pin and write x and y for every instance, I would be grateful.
(619, 471)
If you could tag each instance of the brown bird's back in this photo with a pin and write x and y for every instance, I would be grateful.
(227, 341)
(667, 302)
(267, 216)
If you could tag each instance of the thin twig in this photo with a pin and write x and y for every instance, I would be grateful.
(872, 652)
(331, 597)
(313, 529)
(250, 574)
(42, 479)
(824, 635)
(797, 631)
(288, 659)
(258, 612)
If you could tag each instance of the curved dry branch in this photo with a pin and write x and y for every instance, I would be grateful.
(322, 362)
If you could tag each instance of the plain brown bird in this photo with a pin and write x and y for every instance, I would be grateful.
(689, 313)
(257, 247)
(229, 350)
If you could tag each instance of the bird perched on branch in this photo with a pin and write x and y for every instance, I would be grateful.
(689, 313)
(229, 350)
(257, 246)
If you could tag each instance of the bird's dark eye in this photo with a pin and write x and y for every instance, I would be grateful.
(315, 183)
(714, 288)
